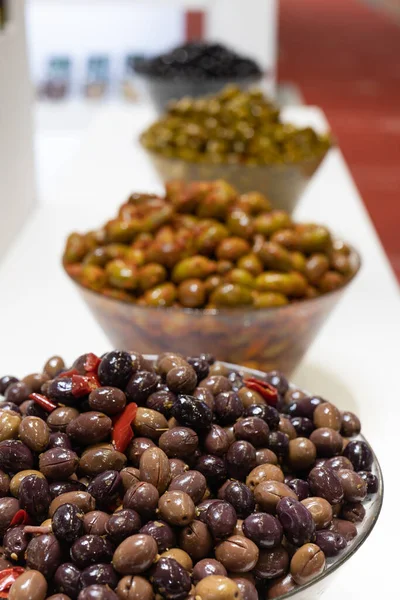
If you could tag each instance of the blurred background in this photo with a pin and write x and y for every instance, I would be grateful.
(341, 55)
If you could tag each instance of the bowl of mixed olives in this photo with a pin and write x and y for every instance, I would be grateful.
(171, 477)
(238, 136)
(194, 69)
(205, 264)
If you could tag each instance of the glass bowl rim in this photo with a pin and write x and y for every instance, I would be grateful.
(362, 535)
(197, 312)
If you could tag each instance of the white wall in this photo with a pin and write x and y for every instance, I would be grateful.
(115, 28)
(17, 189)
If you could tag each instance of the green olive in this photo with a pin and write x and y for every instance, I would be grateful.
(316, 266)
(313, 238)
(330, 281)
(240, 276)
(211, 234)
(192, 293)
(93, 277)
(253, 203)
(198, 267)
(231, 295)
(122, 275)
(212, 282)
(269, 223)
(161, 295)
(298, 261)
(232, 248)
(136, 257)
(341, 262)
(97, 257)
(240, 223)
(116, 251)
(290, 284)
(251, 263)
(151, 275)
(122, 231)
(275, 257)
(269, 300)
(75, 249)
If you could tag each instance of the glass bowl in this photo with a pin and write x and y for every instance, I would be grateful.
(160, 91)
(283, 184)
(373, 504)
(267, 339)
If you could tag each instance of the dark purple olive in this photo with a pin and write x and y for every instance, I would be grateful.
(8, 508)
(29, 408)
(206, 567)
(371, 481)
(191, 412)
(44, 554)
(228, 408)
(263, 529)
(91, 549)
(171, 579)
(163, 534)
(101, 574)
(353, 512)
(17, 392)
(303, 426)
(15, 456)
(325, 483)
(359, 454)
(304, 407)
(200, 366)
(7, 406)
(15, 543)
(278, 442)
(267, 413)
(331, 543)
(296, 520)
(5, 381)
(253, 430)
(221, 519)
(105, 487)
(62, 487)
(216, 441)
(97, 592)
(136, 449)
(115, 369)
(278, 380)
(300, 487)
(192, 482)
(60, 390)
(213, 468)
(34, 496)
(162, 400)
(203, 508)
(247, 589)
(142, 497)
(108, 400)
(241, 498)
(59, 440)
(67, 580)
(240, 459)
(141, 385)
(67, 523)
(58, 463)
(122, 524)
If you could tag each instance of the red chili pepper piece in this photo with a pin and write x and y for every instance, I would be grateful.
(7, 578)
(92, 362)
(67, 373)
(21, 517)
(122, 430)
(84, 384)
(265, 389)
(43, 402)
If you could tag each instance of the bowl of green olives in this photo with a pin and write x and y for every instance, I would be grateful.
(207, 265)
(238, 136)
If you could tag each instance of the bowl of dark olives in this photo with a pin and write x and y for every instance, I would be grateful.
(178, 478)
(193, 69)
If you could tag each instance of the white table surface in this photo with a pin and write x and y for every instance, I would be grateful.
(353, 362)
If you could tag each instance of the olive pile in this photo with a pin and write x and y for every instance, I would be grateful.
(178, 479)
(234, 127)
(199, 61)
(205, 246)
